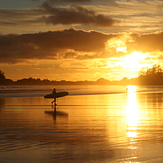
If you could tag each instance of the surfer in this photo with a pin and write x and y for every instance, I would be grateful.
(54, 93)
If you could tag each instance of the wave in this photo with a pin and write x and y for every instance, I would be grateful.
(74, 90)
(40, 93)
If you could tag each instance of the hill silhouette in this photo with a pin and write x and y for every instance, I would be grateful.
(150, 76)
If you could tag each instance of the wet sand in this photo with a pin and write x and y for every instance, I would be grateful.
(89, 128)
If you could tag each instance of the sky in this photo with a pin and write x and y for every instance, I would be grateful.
(78, 40)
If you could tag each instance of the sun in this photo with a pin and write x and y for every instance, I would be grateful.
(134, 60)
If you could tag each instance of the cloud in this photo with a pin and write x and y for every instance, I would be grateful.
(67, 1)
(75, 15)
(51, 2)
(98, 15)
(148, 42)
(58, 16)
(74, 44)
(12, 13)
(51, 45)
(19, 17)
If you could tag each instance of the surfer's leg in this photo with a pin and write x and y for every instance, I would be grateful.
(52, 102)
(55, 102)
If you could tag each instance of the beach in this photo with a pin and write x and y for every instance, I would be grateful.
(93, 126)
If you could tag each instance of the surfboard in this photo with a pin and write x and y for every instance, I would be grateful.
(56, 95)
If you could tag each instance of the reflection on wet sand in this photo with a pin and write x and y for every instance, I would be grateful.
(55, 113)
(144, 113)
(132, 112)
(132, 115)
(32, 130)
(2, 102)
(107, 128)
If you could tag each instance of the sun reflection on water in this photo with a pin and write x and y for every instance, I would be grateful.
(132, 111)
(131, 134)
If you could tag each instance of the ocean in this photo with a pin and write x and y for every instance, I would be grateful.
(94, 123)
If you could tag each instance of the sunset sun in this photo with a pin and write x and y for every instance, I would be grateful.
(134, 60)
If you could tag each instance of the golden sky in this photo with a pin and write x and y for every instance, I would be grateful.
(80, 39)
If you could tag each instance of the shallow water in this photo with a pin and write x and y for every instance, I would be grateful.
(119, 127)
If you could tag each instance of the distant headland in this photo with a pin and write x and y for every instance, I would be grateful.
(150, 76)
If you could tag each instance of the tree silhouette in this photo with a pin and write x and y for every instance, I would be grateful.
(3, 80)
(156, 70)
(2, 76)
(152, 75)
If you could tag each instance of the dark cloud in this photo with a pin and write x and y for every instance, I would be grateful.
(148, 42)
(54, 15)
(51, 2)
(75, 15)
(67, 1)
(71, 43)
(50, 45)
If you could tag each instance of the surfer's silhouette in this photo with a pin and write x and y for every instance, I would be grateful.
(54, 95)
(54, 101)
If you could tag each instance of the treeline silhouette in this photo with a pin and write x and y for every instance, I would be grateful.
(150, 76)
